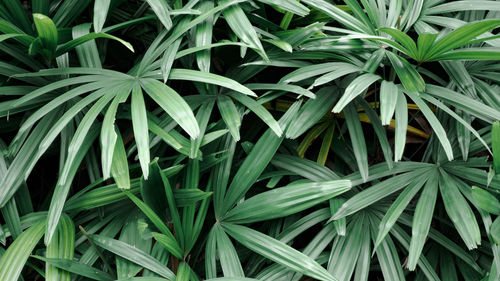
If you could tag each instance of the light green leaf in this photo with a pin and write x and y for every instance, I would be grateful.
(388, 100)
(161, 9)
(357, 139)
(355, 88)
(173, 104)
(435, 124)
(399, 205)
(13, 260)
(84, 136)
(66, 47)
(119, 164)
(422, 219)
(204, 77)
(132, 254)
(101, 8)
(284, 201)
(229, 260)
(259, 110)
(459, 211)
(61, 247)
(376, 192)
(241, 26)
(140, 126)
(77, 268)
(277, 251)
(230, 115)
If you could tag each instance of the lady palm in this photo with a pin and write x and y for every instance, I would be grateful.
(245, 140)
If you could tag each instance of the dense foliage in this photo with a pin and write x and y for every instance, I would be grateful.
(249, 139)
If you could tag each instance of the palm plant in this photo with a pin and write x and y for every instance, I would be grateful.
(249, 140)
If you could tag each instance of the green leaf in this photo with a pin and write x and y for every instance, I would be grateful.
(422, 219)
(312, 111)
(161, 9)
(230, 115)
(309, 71)
(355, 88)
(204, 77)
(189, 197)
(119, 165)
(340, 224)
(169, 243)
(132, 254)
(465, 103)
(345, 69)
(387, 256)
(87, 53)
(376, 192)
(254, 164)
(61, 247)
(15, 9)
(173, 104)
(277, 251)
(13, 260)
(461, 36)
(232, 279)
(204, 32)
(174, 213)
(168, 137)
(285, 46)
(403, 39)
(284, 201)
(140, 126)
(77, 268)
(459, 211)
(399, 205)
(259, 110)
(133, 233)
(388, 100)
(84, 136)
(470, 54)
(425, 42)
(241, 26)
(485, 200)
(47, 31)
(101, 8)
(339, 15)
(423, 263)
(291, 6)
(168, 59)
(153, 192)
(409, 77)
(108, 133)
(23, 162)
(166, 238)
(304, 167)
(347, 249)
(251, 168)
(435, 124)
(66, 47)
(495, 145)
(229, 260)
(183, 272)
(282, 87)
(357, 140)
(495, 231)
